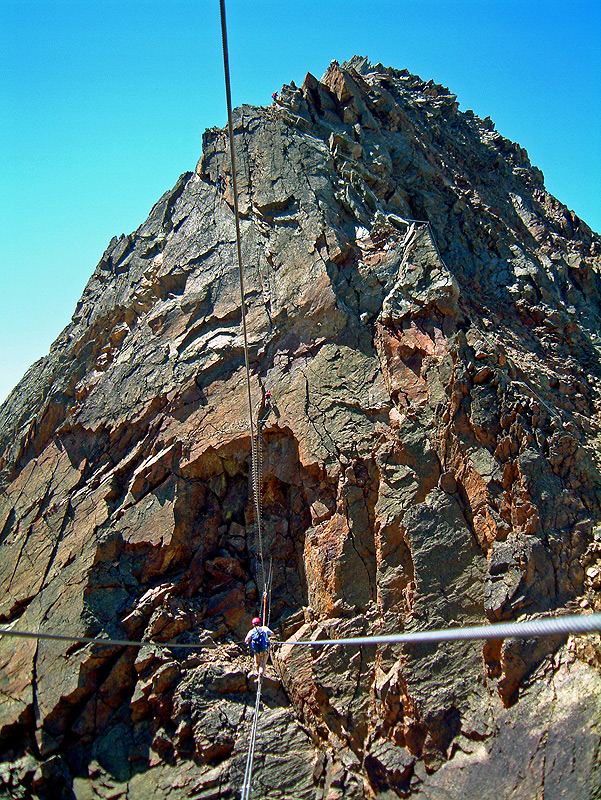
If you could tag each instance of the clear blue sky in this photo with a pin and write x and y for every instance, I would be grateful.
(103, 104)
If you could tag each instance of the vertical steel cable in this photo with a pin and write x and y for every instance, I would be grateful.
(259, 484)
(259, 496)
(254, 444)
(248, 770)
(256, 489)
(269, 581)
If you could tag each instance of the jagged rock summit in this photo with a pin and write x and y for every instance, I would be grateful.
(426, 317)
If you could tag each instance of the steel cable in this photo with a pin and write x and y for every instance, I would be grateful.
(256, 456)
(230, 125)
(96, 640)
(246, 785)
(545, 626)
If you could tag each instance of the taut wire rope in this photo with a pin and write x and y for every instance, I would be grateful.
(256, 455)
(95, 639)
(529, 629)
(230, 125)
(259, 482)
(246, 784)
(543, 626)
(269, 580)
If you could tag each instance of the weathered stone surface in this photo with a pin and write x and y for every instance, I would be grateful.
(545, 729)
(426, 318)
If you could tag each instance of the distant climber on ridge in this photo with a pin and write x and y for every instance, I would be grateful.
(258, 638)
(274, 96)
(265, 406)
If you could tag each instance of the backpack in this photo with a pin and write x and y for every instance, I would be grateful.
(259, 642)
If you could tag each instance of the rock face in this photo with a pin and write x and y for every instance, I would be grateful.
(426, 317)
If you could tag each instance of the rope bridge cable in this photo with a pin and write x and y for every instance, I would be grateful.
(266, 606)
(230, 124)
(258, 483)
(544, 626)
(256, 466)
(96, 640)
(250, 756)
(257, 480)
(267, 617)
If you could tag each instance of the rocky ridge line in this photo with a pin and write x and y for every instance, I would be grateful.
(431, 458)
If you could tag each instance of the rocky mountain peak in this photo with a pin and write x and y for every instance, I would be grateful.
(425, 317)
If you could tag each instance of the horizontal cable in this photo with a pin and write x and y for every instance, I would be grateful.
(548, 626)
(92, 640)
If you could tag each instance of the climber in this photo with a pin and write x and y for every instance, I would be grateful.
(264, 407)
(274, 96)
(258, 638)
